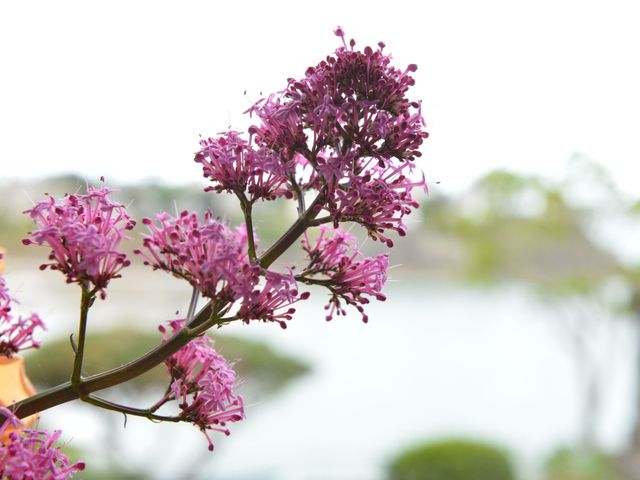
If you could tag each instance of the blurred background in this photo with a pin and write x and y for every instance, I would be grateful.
(509, 344)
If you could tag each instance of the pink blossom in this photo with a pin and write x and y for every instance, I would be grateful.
(346, 129)
(281, 128)
(210, 256)
(16, 334)
(214, 260)
(84, 233)
(234, 165)
(351, 101)
(32, 454)
(203, 383)
(350, 130)
(271, 301)
(378, 198)
(332, 264)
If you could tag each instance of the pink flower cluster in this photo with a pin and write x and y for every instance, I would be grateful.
(203, 383)
(355, 97)
(333, 258)
(234, 165)
(84, 233)
(15, 333)
(210, 256)
(214, 260)
(32, 454)
(377, 198)
(349, 125)
(271, 299)
(345, 133)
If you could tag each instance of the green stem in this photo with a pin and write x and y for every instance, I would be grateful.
(299, 194)
(66, 392)
(315, 281)
(138, 412)
(156, 406)
(85, 304)
(320, 221)
(192, 304)
(246, 207)
(198, 330)
(294, 232)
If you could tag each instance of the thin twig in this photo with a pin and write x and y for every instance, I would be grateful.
(138, 412)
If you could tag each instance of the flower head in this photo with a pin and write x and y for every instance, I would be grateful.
(271, 299)
(378, 198)
(203, 383)
(16, 334)
(32, 454)
(84, 233)
(348, 129)
(353, 102)
(333, 264)
(234, 165)
(210, 256)
(214, 260)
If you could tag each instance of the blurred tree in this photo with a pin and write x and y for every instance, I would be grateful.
(548, 235)
(452, 460)
(569, 464)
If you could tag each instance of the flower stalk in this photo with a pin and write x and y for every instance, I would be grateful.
(294, 233)
(246, 207)
(87, 298)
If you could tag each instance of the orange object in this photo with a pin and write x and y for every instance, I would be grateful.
(14, 386)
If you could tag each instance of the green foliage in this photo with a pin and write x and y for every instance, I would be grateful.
(500, 190)
(436, 214)
(258, 363)
(519, 228)
(12, 230)
(452, 460)
(568, 464)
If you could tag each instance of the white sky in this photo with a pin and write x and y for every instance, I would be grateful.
(123, 89)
